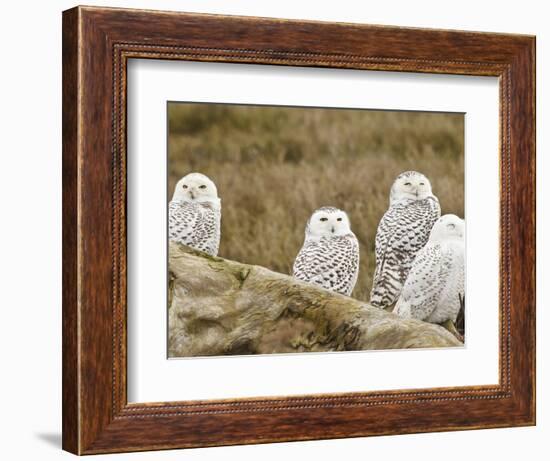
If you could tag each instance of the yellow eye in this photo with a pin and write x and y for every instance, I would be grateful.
(185, 186)
(324, 219)
(339, 219)
(202, 186)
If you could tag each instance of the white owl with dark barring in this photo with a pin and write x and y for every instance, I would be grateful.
(403, 231)
(329, 257)
(434, 290)
(194, 214)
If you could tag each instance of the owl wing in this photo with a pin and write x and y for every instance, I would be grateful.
(451, 280)
(391, 231)
(310, 261)
(350, 263)
(422, 290)
(392, 248)
(183, 218)
(403, 231)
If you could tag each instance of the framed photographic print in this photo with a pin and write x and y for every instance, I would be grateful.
(284, 230)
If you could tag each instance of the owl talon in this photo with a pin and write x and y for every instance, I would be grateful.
(451, 328)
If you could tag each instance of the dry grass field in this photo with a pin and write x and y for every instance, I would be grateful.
(274, 166)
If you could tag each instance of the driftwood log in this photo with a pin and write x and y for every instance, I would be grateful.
(222, 307)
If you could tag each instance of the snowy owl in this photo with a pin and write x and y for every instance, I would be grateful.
(434, 290)
(195, 213)
(330, 254)
(403, 231)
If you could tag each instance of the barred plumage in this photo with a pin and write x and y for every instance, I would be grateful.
(403, 231)
(434, 290)
(330, 254)
(194, 214)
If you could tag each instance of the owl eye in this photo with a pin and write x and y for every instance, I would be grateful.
(185, 186)
(339, 219)
(324, 219)
(202, 186)
(407, 184)
(422, 184)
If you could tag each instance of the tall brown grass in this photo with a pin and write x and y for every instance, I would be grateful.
(274, 166)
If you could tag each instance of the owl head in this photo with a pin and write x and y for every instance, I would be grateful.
(328, 222)
(410, 185)
(195, 187)
(447, 227)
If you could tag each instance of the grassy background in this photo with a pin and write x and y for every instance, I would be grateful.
(274, 166)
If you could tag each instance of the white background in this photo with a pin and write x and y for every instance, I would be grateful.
(30, 251)
(152, 378)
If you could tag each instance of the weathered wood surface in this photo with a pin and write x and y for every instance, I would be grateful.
(220, 307)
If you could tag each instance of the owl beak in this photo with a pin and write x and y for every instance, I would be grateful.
(192, 195)
(332, 229)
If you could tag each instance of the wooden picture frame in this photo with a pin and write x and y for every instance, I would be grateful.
(97, 43)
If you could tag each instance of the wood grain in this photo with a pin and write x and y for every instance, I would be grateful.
(97, 43)
(70, 383)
